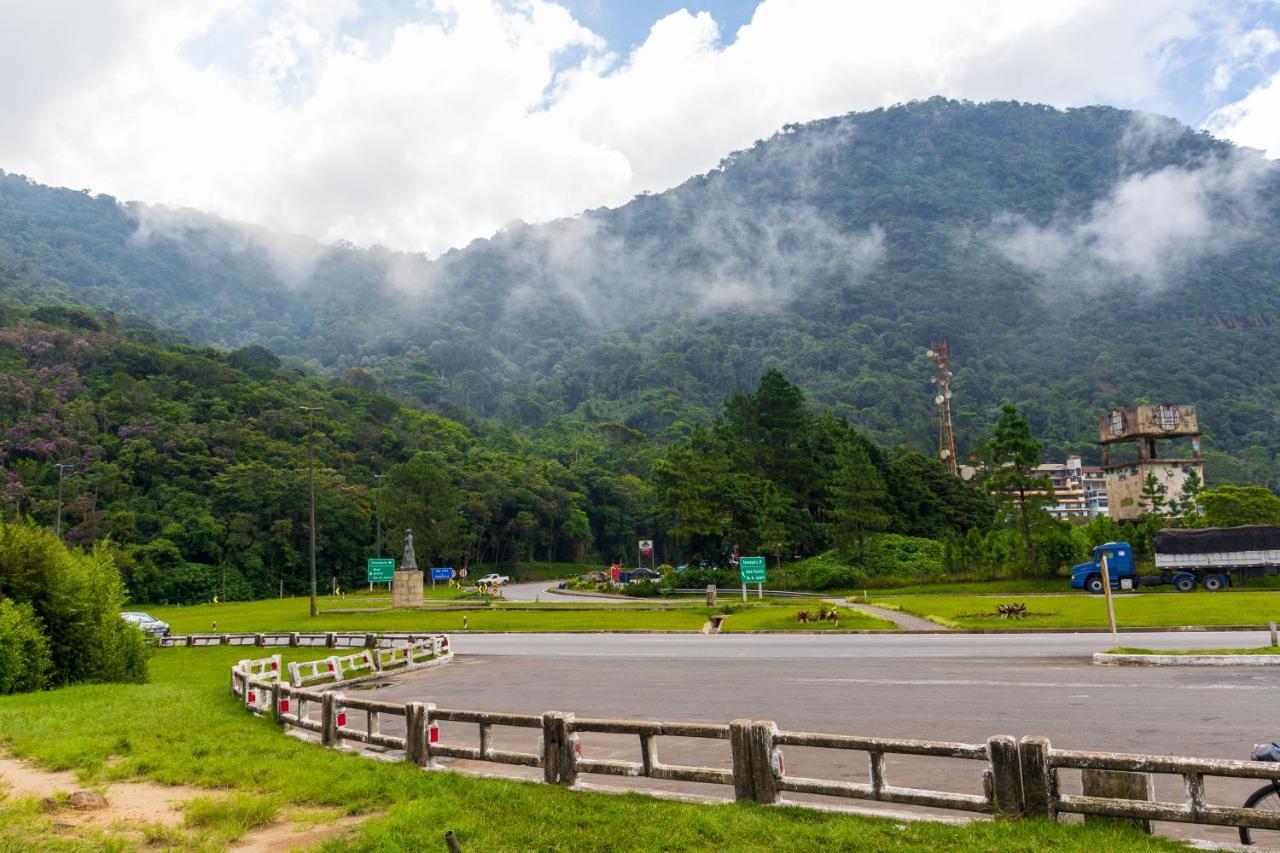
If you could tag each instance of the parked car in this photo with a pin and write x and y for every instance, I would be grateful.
(146, 623)
(642, 574)
(493, 578)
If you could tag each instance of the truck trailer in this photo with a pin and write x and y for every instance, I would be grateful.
(1208, 556)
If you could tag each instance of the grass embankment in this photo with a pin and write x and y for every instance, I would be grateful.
(1126, 650)
(1089, 611)
(183, 727)
(292, 614)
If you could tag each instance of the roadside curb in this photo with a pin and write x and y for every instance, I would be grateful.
(1106, 659)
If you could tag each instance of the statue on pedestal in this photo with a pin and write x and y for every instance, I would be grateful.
(410, 561)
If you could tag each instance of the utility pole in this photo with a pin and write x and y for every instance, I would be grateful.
(62, 469)
(311, 485)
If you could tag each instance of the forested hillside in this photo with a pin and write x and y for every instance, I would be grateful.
(193, 462)
(1074, 259)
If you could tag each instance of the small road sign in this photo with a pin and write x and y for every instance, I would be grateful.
(752, 569)
(442, 574)
(462, 573)
(381, 569)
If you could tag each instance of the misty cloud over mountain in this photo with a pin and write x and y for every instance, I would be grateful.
(836, 250)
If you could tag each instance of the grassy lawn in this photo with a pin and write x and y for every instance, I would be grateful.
(1089, 611)
(995, 587)
(183, 727)
(292, 614)
(1262, 650)
(783, 618)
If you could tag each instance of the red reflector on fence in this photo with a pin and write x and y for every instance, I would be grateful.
(577, 746)
(342, 718)
(331, 667)
(782, 768)
(252, 697)
(433, 734)
(284, 706)
(275, 665)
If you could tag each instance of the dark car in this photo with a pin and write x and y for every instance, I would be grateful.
(643, 574)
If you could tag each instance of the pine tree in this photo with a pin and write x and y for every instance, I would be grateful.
(1012, 458)
(858, 498)
(1153, 496)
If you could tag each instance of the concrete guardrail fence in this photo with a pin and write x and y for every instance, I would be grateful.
(1020, 777)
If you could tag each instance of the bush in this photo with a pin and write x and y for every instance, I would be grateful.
(77, 597)
(643, 589)
(24, 650)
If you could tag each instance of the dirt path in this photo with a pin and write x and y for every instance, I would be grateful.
(131, 805)
(905, 621)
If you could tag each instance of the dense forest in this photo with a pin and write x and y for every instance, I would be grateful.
(193, 462)
(1075, 259)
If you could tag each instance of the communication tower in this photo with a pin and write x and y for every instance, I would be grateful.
(938, 353)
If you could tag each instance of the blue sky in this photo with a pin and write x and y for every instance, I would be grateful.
(626, 24)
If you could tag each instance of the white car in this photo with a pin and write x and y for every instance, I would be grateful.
(489, 580)
(145, 622)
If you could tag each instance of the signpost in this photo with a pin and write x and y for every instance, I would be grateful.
(381, 569)
(646, 549)
(753, 571)
(1111, 610)
(442, 573)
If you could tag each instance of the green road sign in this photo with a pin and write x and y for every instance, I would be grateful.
(381, 569)
(752, 569)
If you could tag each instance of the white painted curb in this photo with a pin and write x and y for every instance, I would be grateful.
(1185, 660)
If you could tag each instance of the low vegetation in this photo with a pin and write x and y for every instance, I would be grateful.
(292, 614)
(60, 614)
(1087, 611)
(177, 730)
(1129, 650)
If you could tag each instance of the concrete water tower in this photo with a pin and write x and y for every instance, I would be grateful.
(1152, 429)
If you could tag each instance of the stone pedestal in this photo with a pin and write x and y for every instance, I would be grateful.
(406, 589)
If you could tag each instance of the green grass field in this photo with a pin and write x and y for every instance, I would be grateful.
(996, 587)
(184, 728)
(783, 618)
(292, 614)
(1262, 650)
(1089, 611)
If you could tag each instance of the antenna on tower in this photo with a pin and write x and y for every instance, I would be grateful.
(938, 353)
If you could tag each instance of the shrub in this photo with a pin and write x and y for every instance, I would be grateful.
(24, 650)
(643, 589)
(77, 597)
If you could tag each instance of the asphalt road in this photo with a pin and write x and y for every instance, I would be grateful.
(940, 687)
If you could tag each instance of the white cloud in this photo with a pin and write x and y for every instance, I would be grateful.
(424, 129)
(1254, 120)
(1148, 228)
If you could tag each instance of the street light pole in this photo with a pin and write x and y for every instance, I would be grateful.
(62, 468)
(311, 486)
(378, 512)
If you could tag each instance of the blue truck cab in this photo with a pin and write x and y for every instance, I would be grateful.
(1119, 567)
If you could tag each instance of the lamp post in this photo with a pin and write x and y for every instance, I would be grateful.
(62, 469)
(378, 512)
(311, 486)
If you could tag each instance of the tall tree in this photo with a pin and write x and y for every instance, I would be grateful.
(858, 498)
(1012, 456)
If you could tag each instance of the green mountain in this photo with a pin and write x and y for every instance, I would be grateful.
(192, 462)
(1074, 259)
